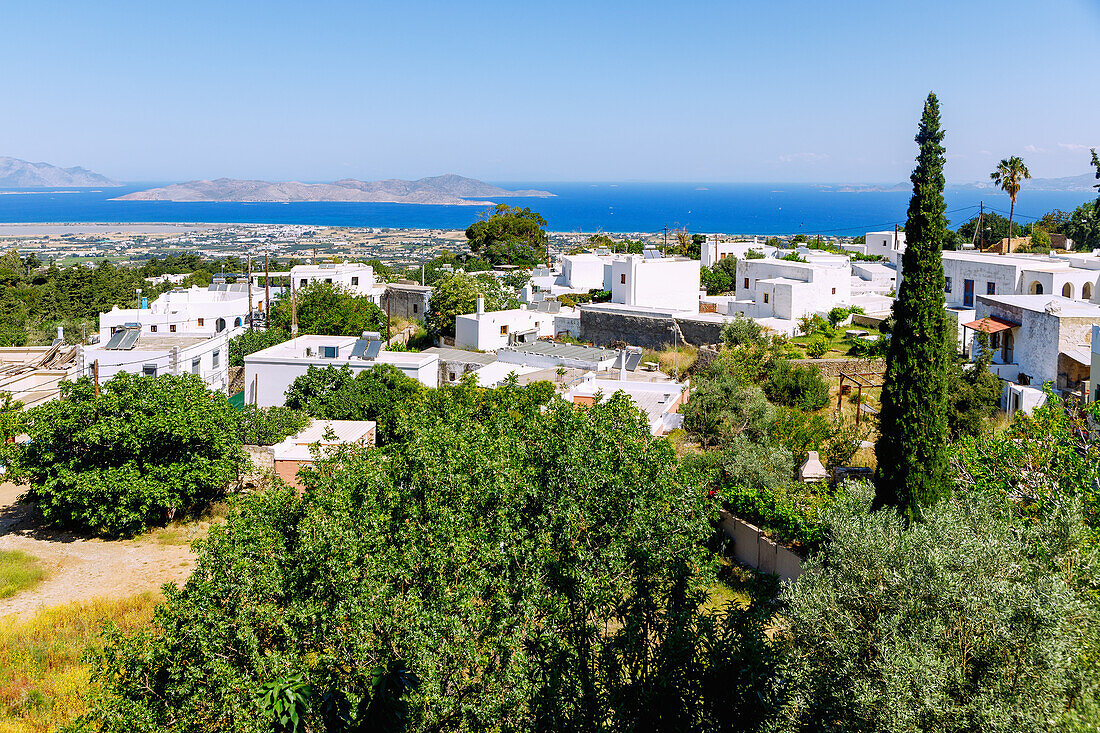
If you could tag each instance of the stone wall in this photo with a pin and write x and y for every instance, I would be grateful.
(833, 367)
(752, 548)
(603, 328)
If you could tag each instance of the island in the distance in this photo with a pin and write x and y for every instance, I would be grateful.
(16, 173)
(447, 189)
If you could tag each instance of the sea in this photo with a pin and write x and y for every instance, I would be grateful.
(742, 208)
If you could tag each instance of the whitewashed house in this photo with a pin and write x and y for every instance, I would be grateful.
(652, 281)
(191, 311)
(660, 401)
(782, 291)
(712, 251)
(353, 276)
(133, 348)
(269, 373)
(890, 245)
(1036, 339)
(490, 330)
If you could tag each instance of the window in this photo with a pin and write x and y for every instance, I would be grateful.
(355, 281)
(995, 340)
(201, 320)
(328, 280)
(216, 358)
(990, 288)
(172, 328)
(503, 330)
(947, 285)
(834, 291)
(302, 283)
(968, 293)
(414, 307)
(622, 278)
(329, 352)
(765, 297)
(746, 283)
(236, 321)
(149, 370)
(196, 365)
(152, 329)
(451, 376)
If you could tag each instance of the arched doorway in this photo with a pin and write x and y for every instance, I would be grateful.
(219, 325)
(1086, 291)
(1067, 290)
(1036, 288)
(236, 322)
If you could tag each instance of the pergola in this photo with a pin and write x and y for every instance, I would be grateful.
(861, 380)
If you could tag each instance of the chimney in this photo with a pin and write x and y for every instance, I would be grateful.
(61, 334)
(622, 365)
(480, 304)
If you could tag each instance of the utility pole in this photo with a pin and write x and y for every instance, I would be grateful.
(250, 314)
(293, 311)
(895, 238)
(978, 226)
(664, 241)
(421, 273)
(267, 289)
(95, 375)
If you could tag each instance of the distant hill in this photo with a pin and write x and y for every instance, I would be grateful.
(15, 173)
(447, 189)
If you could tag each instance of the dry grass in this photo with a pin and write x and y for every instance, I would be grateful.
(187, 531)
(673, 361)
(42, 675)
(19, 571)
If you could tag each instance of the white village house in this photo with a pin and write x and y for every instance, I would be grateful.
(490, 330)
(270, 372)
(191, 311)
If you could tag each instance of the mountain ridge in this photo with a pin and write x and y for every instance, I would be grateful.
(16, 173)
(447, 189)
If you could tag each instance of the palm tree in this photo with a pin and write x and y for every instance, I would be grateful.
(1007, 175)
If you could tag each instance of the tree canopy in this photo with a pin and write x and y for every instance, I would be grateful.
(145, 450)
(509, 235)
(337, 394)
(329, 309)
(456, 294)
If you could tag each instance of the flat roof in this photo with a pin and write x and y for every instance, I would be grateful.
(469, 357)
(294, 350)
(1039, 303)
(565, 351)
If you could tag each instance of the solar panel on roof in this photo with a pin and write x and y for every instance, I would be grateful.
(129, 338)
(116, 339)
(359, 348)
(374, 348)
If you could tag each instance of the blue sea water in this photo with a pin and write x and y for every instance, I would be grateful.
(609, 207)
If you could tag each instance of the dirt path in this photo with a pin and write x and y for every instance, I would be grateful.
(84, 568)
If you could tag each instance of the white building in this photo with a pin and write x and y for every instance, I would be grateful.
(660, 401)
(132, 348)
(1036, 339)
(712, 252)
(586, 271)
(269, 373)
(353, 276)
(651, 281)
(184, 312)
(785, 290)
(890, 245)
(488, 331)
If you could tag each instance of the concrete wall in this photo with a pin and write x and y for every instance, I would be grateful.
(752, 548)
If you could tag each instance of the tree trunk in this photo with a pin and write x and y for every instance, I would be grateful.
(1011, 211)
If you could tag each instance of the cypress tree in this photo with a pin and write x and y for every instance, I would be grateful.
(912, 445)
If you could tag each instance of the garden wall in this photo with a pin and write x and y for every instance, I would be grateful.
(603, 327)
(752, 548)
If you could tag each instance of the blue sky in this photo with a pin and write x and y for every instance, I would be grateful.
(776, 90)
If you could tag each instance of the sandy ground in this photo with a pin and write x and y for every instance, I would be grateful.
(84, 568)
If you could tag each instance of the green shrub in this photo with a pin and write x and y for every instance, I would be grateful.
(967, 621)
(743, 331)
(269, 425)
(254, 340)
(339, 394)
(817, 347)
(796, 386)
(837, 315)
(144, 450)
